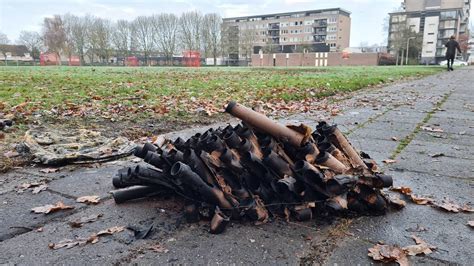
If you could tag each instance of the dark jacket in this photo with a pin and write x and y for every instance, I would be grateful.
(452, 45)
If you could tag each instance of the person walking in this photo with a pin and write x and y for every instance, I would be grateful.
(451, 46)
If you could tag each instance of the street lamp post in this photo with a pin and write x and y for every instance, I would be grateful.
(408, 47)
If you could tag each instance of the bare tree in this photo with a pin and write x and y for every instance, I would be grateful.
(166, 30)
(230, 42)
(4, 38)
(211, 35)
(54, 35)
(190, 29)
(122, 38)
(247, 38)
(101, 38)
(143, 35)
(33, 41)
(77, 34)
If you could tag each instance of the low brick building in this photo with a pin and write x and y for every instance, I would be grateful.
(316, 59)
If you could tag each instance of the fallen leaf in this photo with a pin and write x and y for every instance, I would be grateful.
(470, 223)
(421, 247)
(84, 220)
(11, 154)
(387, 253)
(40, 188)
(49, 170)
(88, 199)
(39, 229)
(111, 230)
(421, 200)
(158, 248)
(396, 201)
(417, 229)
(447, 206)
(70, 243)
(394, 138)
(51, 208)
(389, 161)
(430, 129)
(434, 155)
(402, 189)
(467, 208)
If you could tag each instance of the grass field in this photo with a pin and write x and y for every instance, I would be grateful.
(176, 92)
(135, 102)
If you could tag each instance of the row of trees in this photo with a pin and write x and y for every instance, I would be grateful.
(98, 39)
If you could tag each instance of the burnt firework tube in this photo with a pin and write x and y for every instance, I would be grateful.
(265, 124)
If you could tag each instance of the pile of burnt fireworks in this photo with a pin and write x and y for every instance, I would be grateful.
(257, 170)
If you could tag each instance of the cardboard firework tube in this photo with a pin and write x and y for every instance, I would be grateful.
(336, 136)
(265, 124)
(326, 159)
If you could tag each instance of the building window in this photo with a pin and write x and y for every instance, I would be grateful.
(448, 15)
(332, 20)
(430, 33)
(430, 42)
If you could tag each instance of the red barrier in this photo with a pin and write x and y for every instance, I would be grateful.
(131, 61)
(192, 58)
(74, 60)
(49, 59)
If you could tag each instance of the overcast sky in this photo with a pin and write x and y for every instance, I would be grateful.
(367, 15)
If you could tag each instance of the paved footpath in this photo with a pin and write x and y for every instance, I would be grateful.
(371, 117)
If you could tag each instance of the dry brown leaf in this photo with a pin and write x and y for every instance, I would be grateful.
(447, 206)
(70, 243)
(51, 208)
(49, 170)
(394, 138)
(396, 201)
(158, 248)
(83, 220)
(402, 189)
(430, 129)
(389, 161)
(387, 253)
(89, 199)
(421, 247)
(470, 223)
(111, 230)
(421, 200)
(40, 188)
(467, 208)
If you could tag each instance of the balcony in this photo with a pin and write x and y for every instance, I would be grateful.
(320, 32)
(320, 24)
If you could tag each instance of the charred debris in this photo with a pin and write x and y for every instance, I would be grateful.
(257, 170)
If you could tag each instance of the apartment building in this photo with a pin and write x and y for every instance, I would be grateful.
(436, 20)
(304, 31)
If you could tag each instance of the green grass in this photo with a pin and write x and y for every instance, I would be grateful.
(177, 92)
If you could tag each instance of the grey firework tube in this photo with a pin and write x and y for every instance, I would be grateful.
(265, 124)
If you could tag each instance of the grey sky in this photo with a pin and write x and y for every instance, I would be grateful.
(367, 15)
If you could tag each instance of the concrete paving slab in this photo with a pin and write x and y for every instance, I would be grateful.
(16, 215)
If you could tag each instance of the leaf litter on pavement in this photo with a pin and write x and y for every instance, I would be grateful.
(46, 209)
(80, 241)
(393, 253)
(88, 199)
(444, 205)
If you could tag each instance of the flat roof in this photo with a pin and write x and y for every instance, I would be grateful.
(343, 11)
(425, 11)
